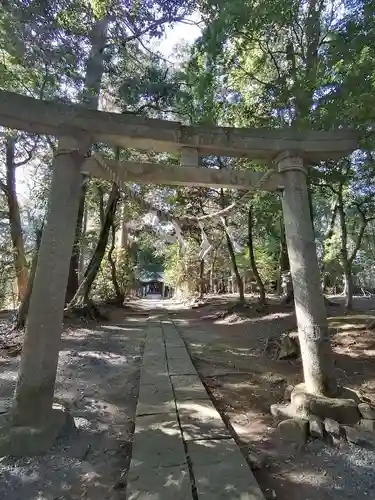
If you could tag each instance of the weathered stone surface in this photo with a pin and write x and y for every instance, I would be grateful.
(150, 377)
(366, 424)
(283, 411)
(188, 387)
(344, 411)
(162, 483)
(347, 393)
(287, 393)
(360, 436)
(181, 367)
(316, 427)
(155, 399)
(367, 411)
(221, 472)
(289, 347)
(5, 405)
(294, 430)
(284, 346)
(201, 420)
(332, 427)
(177, 353)
(158, 441)
(28, 441)
(121, 130)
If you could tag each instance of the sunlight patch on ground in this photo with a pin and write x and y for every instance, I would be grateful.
(239, 319)
(114, 359)
(121, 328)
(196, 408)
(307, 477)
(9, 376)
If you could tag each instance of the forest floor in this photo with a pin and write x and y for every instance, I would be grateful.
(98, 383)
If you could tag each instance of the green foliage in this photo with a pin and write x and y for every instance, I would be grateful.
(103, 289)
(279, 64)
(182, 268)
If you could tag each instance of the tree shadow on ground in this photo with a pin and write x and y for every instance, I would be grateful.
(244, 383)
(217, 469)
(97, 382)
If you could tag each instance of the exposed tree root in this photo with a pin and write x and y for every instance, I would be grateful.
(85, 312)
(284, 346)
(237, 308)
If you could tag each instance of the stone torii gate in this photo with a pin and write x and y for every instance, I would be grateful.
(32, 424)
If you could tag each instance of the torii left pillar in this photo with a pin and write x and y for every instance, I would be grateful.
(33, 425)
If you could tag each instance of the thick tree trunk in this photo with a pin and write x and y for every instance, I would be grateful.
(284, 265)
(116, 286)
(23, 308)
(241, 294)
(73, 279)
(328, 235)
(348, 287)
(201, 279)
(20, 262)
(212, 274)
(82, 254)
(262, 291)
(345, 261)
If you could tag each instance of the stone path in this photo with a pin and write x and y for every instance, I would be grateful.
(182, 449)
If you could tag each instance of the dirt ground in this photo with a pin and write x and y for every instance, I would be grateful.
(243, 382)
(98, 382)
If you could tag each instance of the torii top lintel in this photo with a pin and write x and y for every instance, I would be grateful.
(47, 117)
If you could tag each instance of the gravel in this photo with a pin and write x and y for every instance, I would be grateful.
(346, 472)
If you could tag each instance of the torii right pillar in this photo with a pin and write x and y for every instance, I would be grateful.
(315, 345)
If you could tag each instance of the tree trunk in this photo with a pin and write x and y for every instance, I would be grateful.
(19, 256)
(122, 233)
(328, 235)
(348, 287)
(83, 292)
(212, 273)
(284, 265)
(82, 255)
(23, 308)
(116, 286)
(232, 254)
(345, 262)
(262, 291)
(73, 279)
(235, 269)
(201, 279)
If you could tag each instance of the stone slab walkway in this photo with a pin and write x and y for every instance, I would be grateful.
(182, 449)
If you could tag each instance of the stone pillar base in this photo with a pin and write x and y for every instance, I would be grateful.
(337, 420)
(20, 441)
(303, 404)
